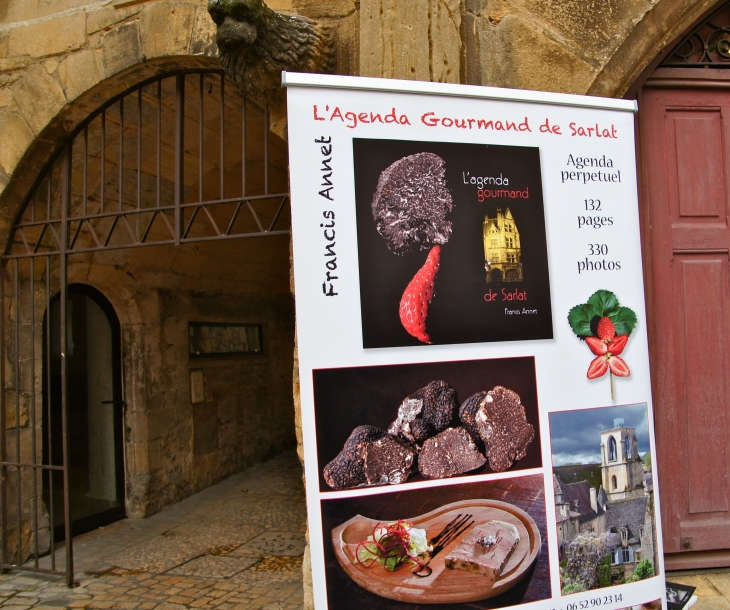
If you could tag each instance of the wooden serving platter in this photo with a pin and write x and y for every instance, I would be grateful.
(443, 585)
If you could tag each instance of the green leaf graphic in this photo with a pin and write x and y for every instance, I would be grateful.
(579, 319)
(624, 319)
(601, 303)
(604, 303)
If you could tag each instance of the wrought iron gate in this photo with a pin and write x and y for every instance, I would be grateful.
(176, 159)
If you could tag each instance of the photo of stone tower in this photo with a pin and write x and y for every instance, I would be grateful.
(502, 251)
(621, 466)
(604, 496)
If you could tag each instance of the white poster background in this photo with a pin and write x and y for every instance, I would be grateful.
(329, 327)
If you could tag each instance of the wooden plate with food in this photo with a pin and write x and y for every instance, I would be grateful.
(480, 548)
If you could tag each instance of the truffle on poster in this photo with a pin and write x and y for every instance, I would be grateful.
(409, 423)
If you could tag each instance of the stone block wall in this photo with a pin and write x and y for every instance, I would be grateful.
(26, 510)
(156, 292)
(574, 46)
(61, 59)
(247, 396)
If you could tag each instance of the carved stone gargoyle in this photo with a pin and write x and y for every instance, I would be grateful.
(256, 43)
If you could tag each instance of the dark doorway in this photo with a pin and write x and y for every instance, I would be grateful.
(94, 412)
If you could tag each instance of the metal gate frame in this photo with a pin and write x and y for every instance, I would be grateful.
(57, 238)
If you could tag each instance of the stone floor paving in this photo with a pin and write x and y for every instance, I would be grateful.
(712, 587)
(236, 545)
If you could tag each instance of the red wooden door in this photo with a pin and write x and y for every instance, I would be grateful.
(685, 137)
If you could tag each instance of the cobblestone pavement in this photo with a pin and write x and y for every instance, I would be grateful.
(713, 587)
(236, 545)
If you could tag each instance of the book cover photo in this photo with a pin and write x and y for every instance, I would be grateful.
(451, 243)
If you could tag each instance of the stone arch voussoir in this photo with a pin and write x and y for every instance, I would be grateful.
(658, 28)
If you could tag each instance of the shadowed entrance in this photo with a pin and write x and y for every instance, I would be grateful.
(95, 412)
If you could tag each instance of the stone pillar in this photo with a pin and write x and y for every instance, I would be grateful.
(411, 39)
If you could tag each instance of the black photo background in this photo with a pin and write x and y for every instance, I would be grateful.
(345, 398)
(458, 312)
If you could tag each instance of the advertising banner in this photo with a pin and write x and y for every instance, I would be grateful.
(476, 400)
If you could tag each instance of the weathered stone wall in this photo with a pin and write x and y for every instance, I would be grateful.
(61, 59)
(25, 507)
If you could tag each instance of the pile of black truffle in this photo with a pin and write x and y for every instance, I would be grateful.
(491, 426)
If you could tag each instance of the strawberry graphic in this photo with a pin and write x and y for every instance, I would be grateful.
(417, 296)
(608, 338)
(606, 329)
(607, 356)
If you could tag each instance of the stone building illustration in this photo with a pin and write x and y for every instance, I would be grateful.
(622, 505)
(502, 250)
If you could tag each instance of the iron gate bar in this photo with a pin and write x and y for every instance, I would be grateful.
(65, 206)
(101, 113)
(103, 162)
(120, 188)
(51, 516)
(86, 161)
(266, 152)
(18, 465)
(170, 242)
(20, 227)
(161, 208)
(28, 465)
(139, 147)
(201, 101)
(159, 143)
(32, 410)
(179, 154)
(258, 222)
(223, 139)
(17, 408)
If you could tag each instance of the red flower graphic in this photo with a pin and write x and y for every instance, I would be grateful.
(607, 356)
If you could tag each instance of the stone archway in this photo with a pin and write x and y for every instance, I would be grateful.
(168, 154)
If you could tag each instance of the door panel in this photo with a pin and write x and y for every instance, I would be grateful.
(698, 164)
(685, 153)
(703, 285)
